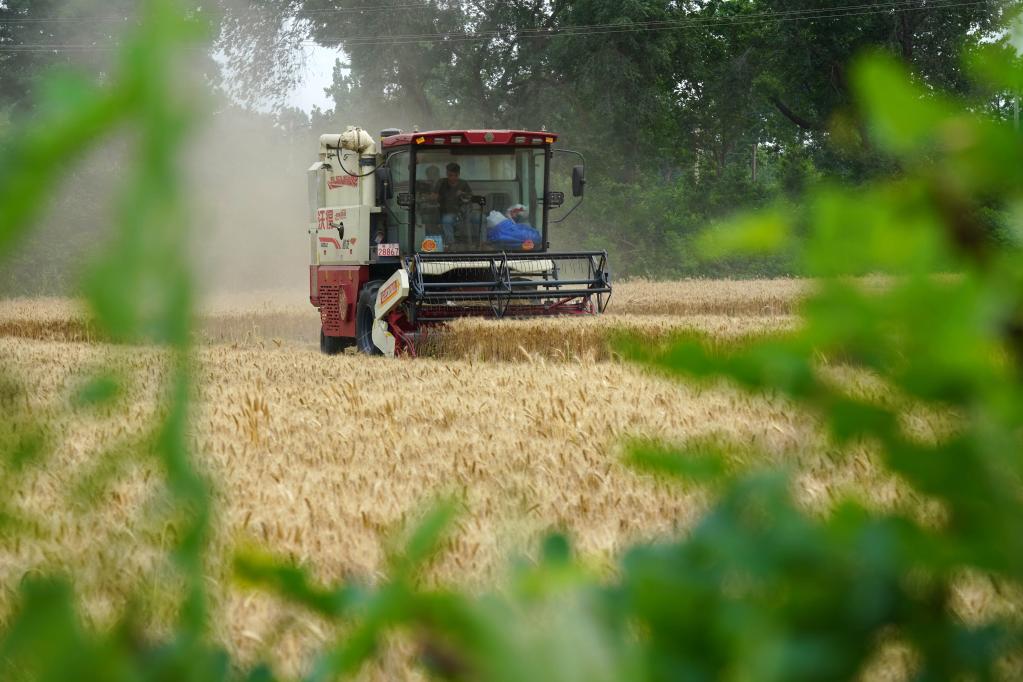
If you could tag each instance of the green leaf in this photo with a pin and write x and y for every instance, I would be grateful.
(98, 391)
(292, 582)
(903, 117)
(426, 539)
(699, 462)
(754, 234)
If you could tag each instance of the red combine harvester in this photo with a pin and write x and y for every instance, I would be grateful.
(433, 226)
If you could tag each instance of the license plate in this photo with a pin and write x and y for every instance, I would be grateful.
(387, 249)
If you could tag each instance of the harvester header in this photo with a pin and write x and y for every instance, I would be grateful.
(425, 227)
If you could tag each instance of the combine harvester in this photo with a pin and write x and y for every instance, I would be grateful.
(432, 226)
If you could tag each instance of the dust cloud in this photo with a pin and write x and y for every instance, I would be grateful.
(247, 187)
(245, 180)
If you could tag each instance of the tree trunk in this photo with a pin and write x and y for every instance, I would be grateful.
(413, 87)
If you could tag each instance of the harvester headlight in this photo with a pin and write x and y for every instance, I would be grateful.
(420, 140)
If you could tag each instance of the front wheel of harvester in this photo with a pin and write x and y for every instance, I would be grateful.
(365, 315)
(333, 345)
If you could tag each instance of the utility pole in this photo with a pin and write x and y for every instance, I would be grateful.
(755, 145)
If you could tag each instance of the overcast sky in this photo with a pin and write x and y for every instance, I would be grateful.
(319, 73)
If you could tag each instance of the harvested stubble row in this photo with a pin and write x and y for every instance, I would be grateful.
(318, 458)
(251, 319)
(583, 339)
(50, 319)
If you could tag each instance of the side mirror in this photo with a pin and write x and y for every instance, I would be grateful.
(555, 199)
(578, 180)
(405, 200)
(578, 185)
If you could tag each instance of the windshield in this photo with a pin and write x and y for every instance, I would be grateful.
(479, 199)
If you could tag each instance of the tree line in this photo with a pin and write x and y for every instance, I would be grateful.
(686, 110)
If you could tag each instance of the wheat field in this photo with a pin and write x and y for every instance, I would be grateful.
(324, 458)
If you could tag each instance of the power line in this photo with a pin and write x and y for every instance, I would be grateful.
(591, 29)
(598, 29)
(299, 14)
(375, 8)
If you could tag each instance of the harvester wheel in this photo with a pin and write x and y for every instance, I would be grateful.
(365, 315)
(333, 345)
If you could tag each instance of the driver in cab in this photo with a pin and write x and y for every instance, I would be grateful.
(452, 194)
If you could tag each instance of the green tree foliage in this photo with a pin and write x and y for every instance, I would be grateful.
(78, 34)
(18, 66)
(706, 107)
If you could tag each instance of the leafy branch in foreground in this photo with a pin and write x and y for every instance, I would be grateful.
(138, 291)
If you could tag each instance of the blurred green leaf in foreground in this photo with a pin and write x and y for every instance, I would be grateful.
(785, 597)
(140, 290)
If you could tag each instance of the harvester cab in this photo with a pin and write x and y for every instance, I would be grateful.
(426, 227)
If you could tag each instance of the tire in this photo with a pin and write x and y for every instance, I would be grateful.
(334, 345)
(364, 318)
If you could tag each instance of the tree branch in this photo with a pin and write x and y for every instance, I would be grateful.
(803, 123)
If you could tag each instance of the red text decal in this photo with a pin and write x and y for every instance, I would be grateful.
(336, 181)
